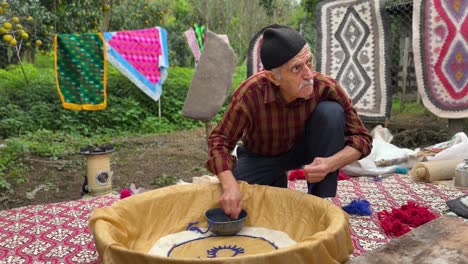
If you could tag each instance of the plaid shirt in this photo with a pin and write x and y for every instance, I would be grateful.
(268, 126)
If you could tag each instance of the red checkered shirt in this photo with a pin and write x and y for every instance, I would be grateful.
(268, 126)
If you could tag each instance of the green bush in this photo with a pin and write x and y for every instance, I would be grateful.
(9, 158)
(165, 180)
(409, 108)
(26, 108)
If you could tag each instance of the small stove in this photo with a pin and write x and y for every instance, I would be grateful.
(98, 179)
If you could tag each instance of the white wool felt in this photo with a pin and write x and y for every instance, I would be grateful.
(166, 243)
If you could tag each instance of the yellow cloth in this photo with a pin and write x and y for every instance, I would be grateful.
(436, 170)
(124, 232)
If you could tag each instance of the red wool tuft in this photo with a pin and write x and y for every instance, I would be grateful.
(398, 221)
(343, 176)
(125, 193)
(296, 175)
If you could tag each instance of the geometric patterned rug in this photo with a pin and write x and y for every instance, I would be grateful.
(58, 233)
(352, 47)
(440, 45)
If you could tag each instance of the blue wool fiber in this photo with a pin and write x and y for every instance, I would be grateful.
(401, 170)
(192, 227)
(358, 207)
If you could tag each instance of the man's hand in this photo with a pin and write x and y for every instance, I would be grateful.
(231, 199)
(231, 202)
(317, 170)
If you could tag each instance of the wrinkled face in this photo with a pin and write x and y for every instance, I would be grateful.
(297, 76)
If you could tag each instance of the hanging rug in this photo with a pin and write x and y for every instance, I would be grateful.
(140, 55)
(80, 71)
(440, 45)
(249, 241)
(352, 48)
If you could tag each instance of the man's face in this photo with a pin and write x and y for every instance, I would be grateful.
(297, 76)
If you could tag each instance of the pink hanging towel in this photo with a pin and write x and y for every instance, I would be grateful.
(141, 55)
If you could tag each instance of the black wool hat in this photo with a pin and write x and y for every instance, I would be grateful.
(279, 46)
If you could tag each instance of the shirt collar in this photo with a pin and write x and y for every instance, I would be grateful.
(271, 92)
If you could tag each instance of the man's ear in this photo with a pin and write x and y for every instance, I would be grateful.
(270, 75)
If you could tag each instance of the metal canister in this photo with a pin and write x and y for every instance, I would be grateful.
(461, 174)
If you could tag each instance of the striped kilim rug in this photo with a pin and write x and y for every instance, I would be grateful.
(440, 45)
(352, 48)
(58, 233)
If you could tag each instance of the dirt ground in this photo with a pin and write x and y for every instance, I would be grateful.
(139, 160)
(152, 161)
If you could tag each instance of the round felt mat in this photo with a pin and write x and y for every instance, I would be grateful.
(193, 244)
(218, 246)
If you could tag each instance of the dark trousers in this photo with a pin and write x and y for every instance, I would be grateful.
(323, 137)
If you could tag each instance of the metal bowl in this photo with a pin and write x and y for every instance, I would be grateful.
(222, 225)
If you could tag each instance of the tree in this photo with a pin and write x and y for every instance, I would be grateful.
(307, 19)
(268, 5)
(240, 20)
(310, 7)
(20, 32)
(78, 16)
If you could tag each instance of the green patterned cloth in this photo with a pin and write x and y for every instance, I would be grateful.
(80, 70)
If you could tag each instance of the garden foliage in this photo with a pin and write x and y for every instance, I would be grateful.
(33, 121)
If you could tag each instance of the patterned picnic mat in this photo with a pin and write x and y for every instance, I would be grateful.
(58, 232)
(50, 233)
(441, 55)
(352, 48)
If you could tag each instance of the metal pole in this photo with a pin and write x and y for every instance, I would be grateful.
(159, 109)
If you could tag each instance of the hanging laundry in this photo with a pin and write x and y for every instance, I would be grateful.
(193, 43)
(200, 34)
(140, 55)
(80, 71)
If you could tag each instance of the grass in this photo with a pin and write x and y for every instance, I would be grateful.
(413, 108)
(165, 180)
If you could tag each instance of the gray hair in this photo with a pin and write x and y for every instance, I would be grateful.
(277, 73)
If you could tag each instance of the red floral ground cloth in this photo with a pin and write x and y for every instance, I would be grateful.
(58, 233)
(50, 233)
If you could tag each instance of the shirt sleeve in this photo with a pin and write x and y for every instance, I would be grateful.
(224, 137)
(356, 134)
